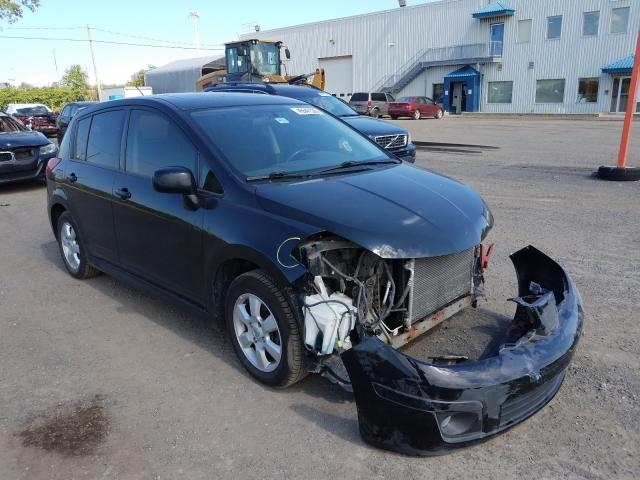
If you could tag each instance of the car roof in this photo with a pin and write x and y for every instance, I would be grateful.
(193, 101)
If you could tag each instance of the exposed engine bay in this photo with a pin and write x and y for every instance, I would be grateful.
(351, 293)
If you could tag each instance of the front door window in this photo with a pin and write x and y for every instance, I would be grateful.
(497, 37)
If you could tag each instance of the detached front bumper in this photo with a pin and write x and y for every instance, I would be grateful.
(419, 408)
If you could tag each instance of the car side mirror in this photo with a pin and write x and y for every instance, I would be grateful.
(174, 180)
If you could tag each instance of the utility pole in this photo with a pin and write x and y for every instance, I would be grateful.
(196, 30)
(55, 62)
(95, 69)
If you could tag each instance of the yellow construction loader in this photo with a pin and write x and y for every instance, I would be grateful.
(257, 61)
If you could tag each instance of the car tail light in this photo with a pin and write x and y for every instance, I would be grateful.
(369, 104)
(51, 164)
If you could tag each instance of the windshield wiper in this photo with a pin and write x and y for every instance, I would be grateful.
(353, 163)
(276, 176)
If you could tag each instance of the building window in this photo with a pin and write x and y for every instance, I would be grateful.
(550, 91)
(524, 31)
(590, 23)
(500, 92)
(554, 27)
(588, 90)
(438, 92)
(619, 19)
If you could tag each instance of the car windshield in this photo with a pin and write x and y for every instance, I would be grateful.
(264, 139)
(331, 104)
(40, 110)
(405, 99)
(10, 125)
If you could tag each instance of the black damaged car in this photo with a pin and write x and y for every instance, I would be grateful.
(23, 153)
(314, 247)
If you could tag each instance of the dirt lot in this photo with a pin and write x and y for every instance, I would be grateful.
(100, 381)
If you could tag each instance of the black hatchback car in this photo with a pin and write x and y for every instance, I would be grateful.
(395, 139)
(317, 249)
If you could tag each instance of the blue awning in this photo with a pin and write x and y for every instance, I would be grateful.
(464, 72)
(624, 65)
(497, 9)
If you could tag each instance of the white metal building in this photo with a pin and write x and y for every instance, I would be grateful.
(512, 56)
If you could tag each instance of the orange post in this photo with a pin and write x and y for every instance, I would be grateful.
(631, 108)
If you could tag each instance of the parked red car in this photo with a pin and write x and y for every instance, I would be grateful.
(35, 116)
(415, 107)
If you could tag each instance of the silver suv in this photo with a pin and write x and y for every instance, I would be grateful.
(375, 104)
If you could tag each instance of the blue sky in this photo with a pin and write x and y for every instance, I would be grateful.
(32, 61)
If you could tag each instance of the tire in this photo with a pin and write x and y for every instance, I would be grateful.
(394, 117)
(439, 115)
(375, 113)
(255, 338)
(617, 174)
(417, 115)
(68, 240)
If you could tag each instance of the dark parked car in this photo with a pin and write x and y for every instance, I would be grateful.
(395, 139)
(35, 116)
(314, 246)
(23, 153)
(67, 113)
(416, 108)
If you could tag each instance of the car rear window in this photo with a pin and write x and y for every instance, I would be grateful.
(360, 97)
(105, 136)
(8, 125)
(82, 134)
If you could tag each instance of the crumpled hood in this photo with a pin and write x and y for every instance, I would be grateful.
(397, 212)
(372, 127)
(22, 139)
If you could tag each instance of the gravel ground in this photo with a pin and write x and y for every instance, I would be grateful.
(100, 381)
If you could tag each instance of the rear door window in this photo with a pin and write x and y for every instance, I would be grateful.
(154, 142)
(378, 97)
(105, 137)
(82, 134)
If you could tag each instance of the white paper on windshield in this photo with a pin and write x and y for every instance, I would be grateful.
(306, 111)
(281, 120)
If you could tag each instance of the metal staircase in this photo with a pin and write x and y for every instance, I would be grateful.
(433, 57)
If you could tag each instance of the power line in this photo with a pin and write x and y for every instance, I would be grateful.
(107, 42)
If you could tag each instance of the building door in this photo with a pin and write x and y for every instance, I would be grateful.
(497, 38)
(339, 76)
(458, 94)
(620, 94)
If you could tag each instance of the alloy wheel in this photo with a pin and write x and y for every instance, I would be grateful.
(257, 332)
(70, 246)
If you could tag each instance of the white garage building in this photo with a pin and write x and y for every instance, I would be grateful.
(515, 56)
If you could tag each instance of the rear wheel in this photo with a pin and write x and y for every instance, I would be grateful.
(439, 115)
(417, 115)
(72, 250)
(264, 330)
(375, 113)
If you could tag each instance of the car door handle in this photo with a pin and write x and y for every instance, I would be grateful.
(73, 178)
(123, 193)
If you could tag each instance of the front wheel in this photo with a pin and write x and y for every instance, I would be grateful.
(375, 113)
(264, 330)
(417, 115)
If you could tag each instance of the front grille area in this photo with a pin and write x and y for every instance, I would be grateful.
(521, 405)
(25, 154)
(392, 142)
(438, 281)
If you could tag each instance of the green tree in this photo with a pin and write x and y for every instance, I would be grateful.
(75, 78)
(137, 79)
(11, 10)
